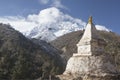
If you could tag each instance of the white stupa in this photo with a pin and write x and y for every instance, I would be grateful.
(90, 43)
(90, 57)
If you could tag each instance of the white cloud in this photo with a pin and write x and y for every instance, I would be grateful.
(46, 16)
(44, 1)
(58, 4)
(53, 3)
(17, 22)
(102, 28)
(23, 24)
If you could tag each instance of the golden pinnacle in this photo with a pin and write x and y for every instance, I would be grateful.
(90, 20)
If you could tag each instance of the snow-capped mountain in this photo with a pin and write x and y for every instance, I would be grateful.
(52, 23)
(49, 24)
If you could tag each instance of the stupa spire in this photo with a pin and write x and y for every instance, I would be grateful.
(90, 20)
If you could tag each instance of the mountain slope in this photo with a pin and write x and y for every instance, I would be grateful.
(20, 58)
(67, 44)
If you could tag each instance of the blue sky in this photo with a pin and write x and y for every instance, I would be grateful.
(104, 12)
